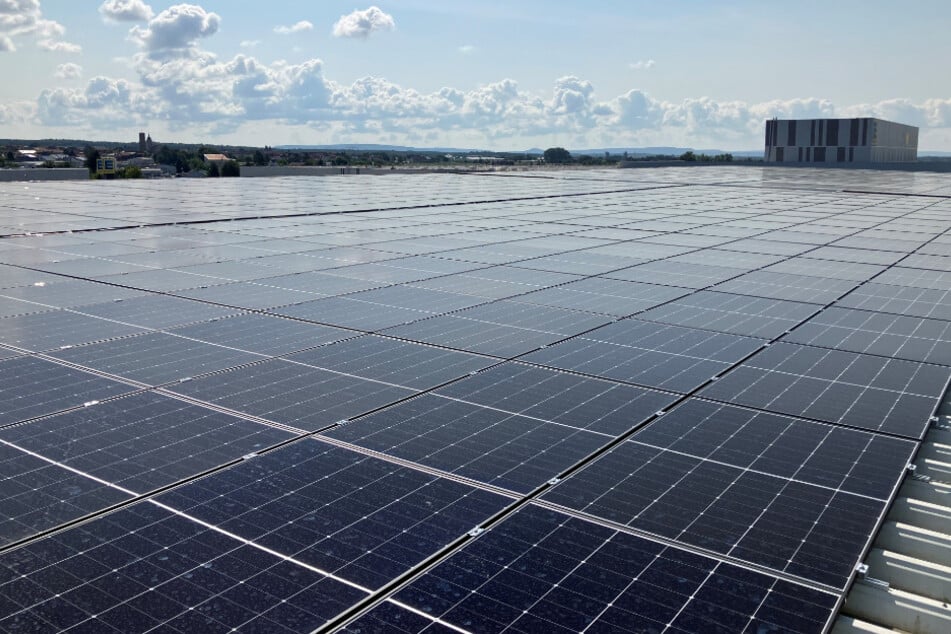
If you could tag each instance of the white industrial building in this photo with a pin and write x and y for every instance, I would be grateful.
(860, 140)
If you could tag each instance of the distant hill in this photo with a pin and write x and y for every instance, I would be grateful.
(375, 147)
(664, 150)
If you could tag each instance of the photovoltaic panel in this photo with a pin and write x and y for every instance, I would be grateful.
(788, 286)
(850, 460)
(37, 495)
(400, 362)
(865, 391)
(789, 486)
(900, 300)
(565, 399)
(40, 332)
(348, 313)
(361, 518)
(655, 355)
(143, 441)
(493, 446)
(813, 532)
(293, 394)
(156, 311)
(883, 334)
(735, 314)
(155, 358)
(32, 387)
(603, 295)
(540, 570)
(263, 334)
(146, 567)
(68, 293)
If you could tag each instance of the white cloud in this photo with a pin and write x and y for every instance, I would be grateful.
(104, 101)
(363, 23)
(68, 70)
(645, 64)
(24, 18)
(249, 43)
(126, 11)
(467, 49)
(176, 30)
(59, 46)
(299, 27)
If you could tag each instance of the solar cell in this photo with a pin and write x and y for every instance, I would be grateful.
(900, 300)
(156, 311)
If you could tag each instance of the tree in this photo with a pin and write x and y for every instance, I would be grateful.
(213, 170)
(688, 156)
(557, 155)
(231, 168)
(92, 155)
(130, 171)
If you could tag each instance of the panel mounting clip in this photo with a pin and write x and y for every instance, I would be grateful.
(475, 532)
(554, 481)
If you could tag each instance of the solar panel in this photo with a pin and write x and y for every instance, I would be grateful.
(654, 355)
(32, 387)
(155, 358)
(293, 394)
(543, 571)
(883, 334)
(870, 392)
(680, 400)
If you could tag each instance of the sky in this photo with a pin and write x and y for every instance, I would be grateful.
(488, 74)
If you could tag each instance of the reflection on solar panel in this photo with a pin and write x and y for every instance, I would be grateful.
(600, 401)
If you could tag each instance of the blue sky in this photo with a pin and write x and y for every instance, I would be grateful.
(487, 74)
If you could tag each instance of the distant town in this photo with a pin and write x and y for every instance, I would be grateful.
(146, 158)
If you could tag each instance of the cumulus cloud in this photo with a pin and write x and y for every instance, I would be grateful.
(644, 64)
(299, 27)
(103, 100)
(125, 11)
(362, 23)
(176, 30)
(68, 71)
(24, 18)
(249, 43)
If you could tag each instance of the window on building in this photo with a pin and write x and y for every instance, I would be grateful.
(779, 154)
(851, 155)
(840, 155)
(854, 132)
(808, 153)
(812, 133)
(791, 133)
(800, 154)
(832, 133)
(819, 155)
(864, 132)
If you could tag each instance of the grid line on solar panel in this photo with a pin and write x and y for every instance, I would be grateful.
(865, 391)
(540, 570)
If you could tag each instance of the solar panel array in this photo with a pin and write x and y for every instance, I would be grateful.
(600, 401)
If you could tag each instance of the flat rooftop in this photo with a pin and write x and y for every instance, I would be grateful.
(674, 399)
